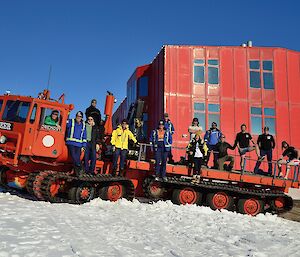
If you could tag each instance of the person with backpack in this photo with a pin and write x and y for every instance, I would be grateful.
(292, 158)
(212, 137)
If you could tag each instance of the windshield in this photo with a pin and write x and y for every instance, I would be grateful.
(16, 111)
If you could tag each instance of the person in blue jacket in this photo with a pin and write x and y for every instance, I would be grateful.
(212, 137)
(161, 140)
(168, 125)
(76, 140)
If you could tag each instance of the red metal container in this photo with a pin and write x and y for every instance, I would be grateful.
(257, 86)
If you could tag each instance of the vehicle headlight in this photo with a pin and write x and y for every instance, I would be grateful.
(3, 139)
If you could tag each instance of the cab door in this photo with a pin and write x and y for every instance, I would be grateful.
(50, 139)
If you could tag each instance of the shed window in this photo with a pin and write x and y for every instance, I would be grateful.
(213, 72)
(199, 71)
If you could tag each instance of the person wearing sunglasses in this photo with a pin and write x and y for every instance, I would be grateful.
(76, 140)
(223, 156)
(53, 119)
(92, 145)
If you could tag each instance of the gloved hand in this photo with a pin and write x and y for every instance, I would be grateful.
(82, 149)
(113, 148)
(97, 147)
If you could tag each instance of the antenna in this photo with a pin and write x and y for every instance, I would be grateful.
(49, 77)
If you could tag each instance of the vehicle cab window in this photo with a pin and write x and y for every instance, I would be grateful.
(16, 111)
(50, 119)
(1, 103)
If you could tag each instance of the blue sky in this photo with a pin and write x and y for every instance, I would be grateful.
(94, 46)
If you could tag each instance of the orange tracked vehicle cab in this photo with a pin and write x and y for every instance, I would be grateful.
(33, 129)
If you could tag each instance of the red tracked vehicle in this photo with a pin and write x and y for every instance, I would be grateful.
(34, 156)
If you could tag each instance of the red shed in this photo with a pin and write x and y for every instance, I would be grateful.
(258, 86)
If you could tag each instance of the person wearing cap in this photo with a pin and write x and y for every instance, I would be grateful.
(93, 112)
(161, 141)
(196, 150)
(212, 137)
(76, 140)
(266, 144)
(168, 125)
(223, 156)
(53, 119)
(194, 128)
(292, 155)
(119, 140)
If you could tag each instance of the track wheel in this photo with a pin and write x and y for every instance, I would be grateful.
(82, 193)
(279, 204)
(113, 192)
(155, 190)
(250, 206)
(219, 200)
(186, 195)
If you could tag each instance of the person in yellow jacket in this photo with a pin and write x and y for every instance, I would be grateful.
(119, 140)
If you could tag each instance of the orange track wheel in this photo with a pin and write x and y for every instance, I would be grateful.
(155, 189)
(82, 193)
(278, 203)
(250, 206)
(186, 195)
(113, 192)
(219, 200)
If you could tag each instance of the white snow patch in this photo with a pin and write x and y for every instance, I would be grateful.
(124, 228)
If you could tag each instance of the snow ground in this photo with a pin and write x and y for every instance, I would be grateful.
(101, 228)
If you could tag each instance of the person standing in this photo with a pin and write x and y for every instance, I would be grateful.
(161, 140)
(266, 144)
(292, 154)
(242, 141)
(92, 145)
(119, 141)
(93, 112)
(194, 128)
(168, 125)
(196, 152)
(212, 137)
(76, 140)
(223, 156)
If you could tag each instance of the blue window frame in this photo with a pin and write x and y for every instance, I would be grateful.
(258, 72)
(213, 114)
(199, 71)
(213, 72)
(143, 86)
(199, 112)
(261, 118)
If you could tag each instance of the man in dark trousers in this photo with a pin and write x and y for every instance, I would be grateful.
(168, 125)
(223, 156)
(93, 112)
(242, 141)
(212, 137)
(266, 144)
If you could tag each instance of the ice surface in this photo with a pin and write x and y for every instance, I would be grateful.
(101, 228)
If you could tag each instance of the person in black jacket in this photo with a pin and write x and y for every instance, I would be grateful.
(292, 154)
(94, 112)
(266, 144)
(223, 156)
(92, 145)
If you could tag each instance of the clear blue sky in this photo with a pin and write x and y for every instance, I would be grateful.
(94, 46)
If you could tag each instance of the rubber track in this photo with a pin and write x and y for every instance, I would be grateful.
(105, 180)
(262, 193)
(29, 183)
